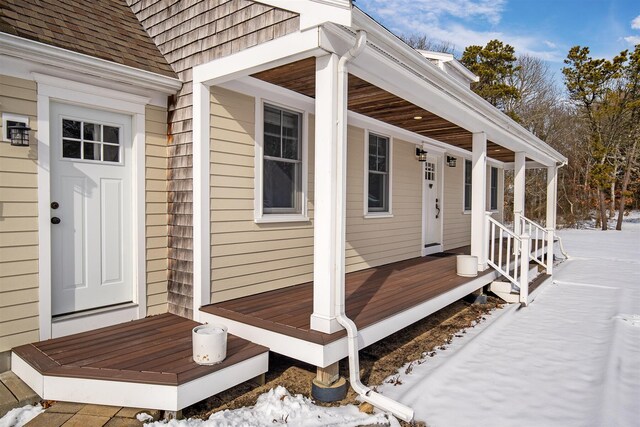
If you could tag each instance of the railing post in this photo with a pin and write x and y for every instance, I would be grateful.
(550, 239)
(517, 223)
(524, 269)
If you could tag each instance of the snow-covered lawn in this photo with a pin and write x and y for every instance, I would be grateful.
(572, 358)
(278, 407)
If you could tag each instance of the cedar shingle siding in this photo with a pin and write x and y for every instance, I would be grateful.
(189, 33)
(105, 29)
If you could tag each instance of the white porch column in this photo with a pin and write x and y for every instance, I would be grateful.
(518, 191)
(478, 199)
(327, 196)
(552, 203)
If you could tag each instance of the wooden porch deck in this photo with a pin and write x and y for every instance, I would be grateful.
(142, 363)
(380, 300)
(371, 296)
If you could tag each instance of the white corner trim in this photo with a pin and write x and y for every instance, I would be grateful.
(201, 198)
(316, 12)
(51, 89)
(43, 53)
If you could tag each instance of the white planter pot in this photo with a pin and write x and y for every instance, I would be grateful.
(467, 265)
(209, 344)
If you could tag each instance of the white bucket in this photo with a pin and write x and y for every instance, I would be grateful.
(467, 265)
(209, 344)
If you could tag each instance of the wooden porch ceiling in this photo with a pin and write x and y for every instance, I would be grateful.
(372, 101)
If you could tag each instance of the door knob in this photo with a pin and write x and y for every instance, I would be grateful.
(55, 205)
(55, 220)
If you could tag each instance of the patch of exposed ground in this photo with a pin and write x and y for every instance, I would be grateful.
(377, 362)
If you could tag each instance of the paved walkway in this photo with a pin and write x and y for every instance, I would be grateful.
(80, 415)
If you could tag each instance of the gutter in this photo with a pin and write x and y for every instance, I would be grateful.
(30, 50)
(367, 394)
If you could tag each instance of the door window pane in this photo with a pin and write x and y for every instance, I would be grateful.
(91, 151)
(70, 129)
(90, 141)
(467, 185)
(71, 149)
(92, 132)
(111, 134)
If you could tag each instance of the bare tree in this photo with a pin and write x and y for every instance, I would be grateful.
(422, 42)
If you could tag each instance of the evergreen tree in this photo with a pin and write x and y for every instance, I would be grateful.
(495, 65)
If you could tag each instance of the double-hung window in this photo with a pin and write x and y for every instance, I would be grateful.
(493, 189)
(282, 161)
(467, 185)
(378, 179)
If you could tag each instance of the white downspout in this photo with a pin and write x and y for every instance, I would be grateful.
(382, 402)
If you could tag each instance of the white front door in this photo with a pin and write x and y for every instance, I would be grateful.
(432, 207)
(91, 209)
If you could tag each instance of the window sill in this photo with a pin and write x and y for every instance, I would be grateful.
(466, 212)
(269, 218)
(371, 215)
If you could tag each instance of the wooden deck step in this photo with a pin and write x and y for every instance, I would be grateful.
(153, 354)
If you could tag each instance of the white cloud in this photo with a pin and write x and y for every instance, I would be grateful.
(454, 21)
(635, 24)
(632, 40)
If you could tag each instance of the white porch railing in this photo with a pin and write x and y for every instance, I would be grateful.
(503, 244)
(542, 240)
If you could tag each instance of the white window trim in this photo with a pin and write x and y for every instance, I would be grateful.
(465, 211)
(259, 216)
(389, 212)
(497, 209)
(51, 89)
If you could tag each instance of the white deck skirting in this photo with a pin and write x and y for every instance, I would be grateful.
(138, 395)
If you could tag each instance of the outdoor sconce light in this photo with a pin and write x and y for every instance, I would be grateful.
(19, 134)
(421, 155)
(451, 161)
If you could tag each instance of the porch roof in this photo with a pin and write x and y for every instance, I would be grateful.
(372, 101)
(389, 81)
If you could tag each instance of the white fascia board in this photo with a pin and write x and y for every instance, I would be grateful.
(528, 165)
(316, 12)
(409, 59)
(85, 64)
(280, 51)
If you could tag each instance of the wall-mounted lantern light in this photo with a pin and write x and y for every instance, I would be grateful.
(421, 155)
(19, 134)
(451, 161)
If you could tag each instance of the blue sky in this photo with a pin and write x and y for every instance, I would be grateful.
(543, 28)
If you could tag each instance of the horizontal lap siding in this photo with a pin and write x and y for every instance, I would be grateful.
(156, 209)
(457, 224)
(248, 258)
(377, 241)
(18, 222)
(190, 33)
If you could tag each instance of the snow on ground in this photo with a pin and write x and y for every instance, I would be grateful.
(572, 358)
(278, 407)
(20, 416)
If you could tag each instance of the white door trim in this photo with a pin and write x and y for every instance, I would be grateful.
(52, 89)
(439, 157)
